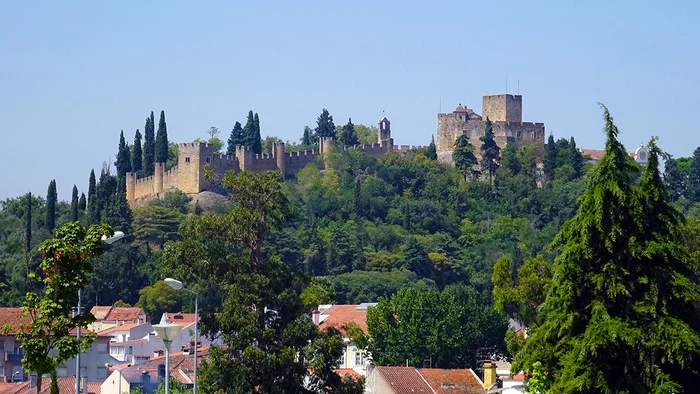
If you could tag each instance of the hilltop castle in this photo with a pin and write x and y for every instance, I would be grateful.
(193, 157)
(505, 111)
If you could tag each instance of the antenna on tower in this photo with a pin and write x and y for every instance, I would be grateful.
(440, 109)
(506, 85)
(518, 87)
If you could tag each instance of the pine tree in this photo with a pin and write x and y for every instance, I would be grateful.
(137, 155)
(415, 258)
(82, 203)
(162, 140)
(149, 147)
(123, 157)
(117, 212)
(620, 313)
(307, 139)
(74, 204)
(324, 125)
(550, 158)
(674, 180)
(348, 136)
(256, 146)
(575, 158)
(92, 198)
(490, 152)
(249, 130)
(694, 177)
(235, 139)
(431, 152)
(51, 199)
(28, 225)
(463, 157)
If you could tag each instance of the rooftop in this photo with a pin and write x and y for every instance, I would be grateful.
(404, 380)
(339, 315)
(65, 386)
(121, 327)
(110, 313)
(409, 380)
(13, 317)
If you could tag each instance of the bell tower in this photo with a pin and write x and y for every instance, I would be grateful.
(384, 131)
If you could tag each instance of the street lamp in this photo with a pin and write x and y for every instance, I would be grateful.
(177, 285)
(108, 365)
(167, 333)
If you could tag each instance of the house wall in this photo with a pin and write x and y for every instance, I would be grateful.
(375, 384)
(111, 384)
(9, 367)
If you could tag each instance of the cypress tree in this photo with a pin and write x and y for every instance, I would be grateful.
(431, 152)
(575, 158)
(162, 140)
(620, 313)
(92, 197)
(675, 184)
(235, 139)
(149, 146)
(249, 130)
(117, 211)
(51, 197)
(307, 138)
(256, 147)
(694, 177)
(490, 152)
(82, 203)
(74, 204)
(550, 158)
(137, 155)
(324, 125)
(123, 157)
(28, 225)
(348, 136)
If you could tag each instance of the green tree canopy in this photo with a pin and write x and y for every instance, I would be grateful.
(137, 154)
(324, 125)
(161, 144)
(149, 145)
(463, 157)
(236, 138)
(431, 151)
(490, 152)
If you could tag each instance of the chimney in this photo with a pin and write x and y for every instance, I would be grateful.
(32, 380)
(489, 374)
(316, 314)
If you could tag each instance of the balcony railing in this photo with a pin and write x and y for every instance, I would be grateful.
(13, 356)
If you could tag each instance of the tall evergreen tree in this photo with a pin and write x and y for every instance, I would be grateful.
(694, 177)
(415, 258)
(28, 225)
(74, 204)
(674, 180)
(490, 152)
(235, 139)
(51, 199)
(92, 198)
(137, 155)
(82, 203)
(620, 315)
(307, 138)
(550, 158)
(358, 198)
(117, 212)
(575, 158)
(324, 125)
(256, 146)
(149, 147)
(463, 157)
(348, 136)
(431, 152)
(249, 130)
(123, 157)
(162, 140)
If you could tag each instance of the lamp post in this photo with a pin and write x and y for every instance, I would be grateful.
(177, 285)
(119, 386)
(168, 333)
(108, 240)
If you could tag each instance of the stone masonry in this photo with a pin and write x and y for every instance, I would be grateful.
(504, 111)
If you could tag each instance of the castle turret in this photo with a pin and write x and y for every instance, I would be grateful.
(278, 150)
(158, 177)
(324, 145)
(130, 186)
(245, 158)
(384, 134)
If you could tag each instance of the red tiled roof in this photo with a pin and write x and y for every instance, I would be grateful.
(121, 327)
(347, 371)
(340, 315)
(450, 380)
(594, 154)
(404, 380)
(184, 319)
(100, 312)
(110, 313)
(180, 364)
(65, 386)
(13, 317)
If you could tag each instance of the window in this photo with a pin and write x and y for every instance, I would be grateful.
(2, 370)
(359, 360)
(342, 360)
(208, 159)
(62, 372)
(101, 373)
(187, 159)
(2, 346)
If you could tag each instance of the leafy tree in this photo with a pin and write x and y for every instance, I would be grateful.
(159, 298)
(236, 138)
(538, 382)
(92, 199)
(490, 152)
(256, 146)
(446, 327)
(694, 177)
(74, 204)
(674, 180)
(550, 158)
(162, 140)
(519, 296)
(324, 125)
(149, 145)
(46, 338)
(415, 258)
(51, 199)
(216, 144)
(82, 203)
(463, 156)
(347, 135)
(117, 275)
(431, 152)
(614, 319)
(137, 154)
(123, 157)
(155, 224)
(509, 159)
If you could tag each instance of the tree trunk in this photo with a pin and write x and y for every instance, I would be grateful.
(54, 383)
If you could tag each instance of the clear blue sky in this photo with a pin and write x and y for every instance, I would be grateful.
(73, 74)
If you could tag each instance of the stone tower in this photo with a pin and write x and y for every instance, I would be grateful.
(383, 131)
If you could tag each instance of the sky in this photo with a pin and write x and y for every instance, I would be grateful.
(74, 74)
